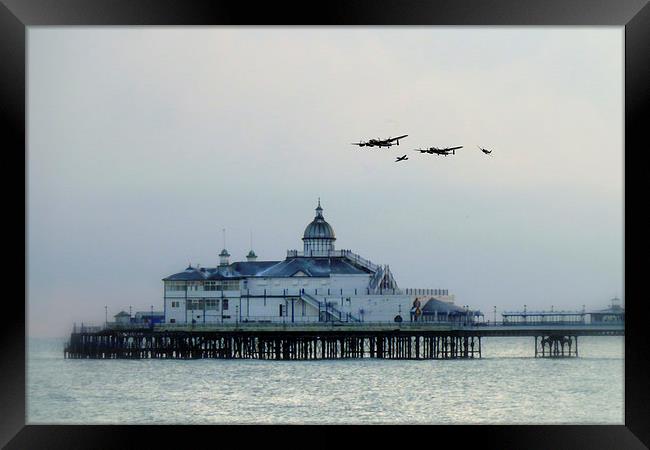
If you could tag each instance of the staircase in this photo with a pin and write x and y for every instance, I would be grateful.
(334, 313)
(359, 261)
(376, 279)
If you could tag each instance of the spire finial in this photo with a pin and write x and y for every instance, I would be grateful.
(251, 254)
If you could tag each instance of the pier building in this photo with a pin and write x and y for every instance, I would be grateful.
(317, 284)
(615, 313)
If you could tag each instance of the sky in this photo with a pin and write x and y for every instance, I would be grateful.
(145, 142)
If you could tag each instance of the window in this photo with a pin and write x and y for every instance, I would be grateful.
(194, 285)
(176, 304)
(172, 320)
(226, 285)
(225, 304)
(212, 304)
(281, 310)
(175, 285)
(195, 304)
(230, 285)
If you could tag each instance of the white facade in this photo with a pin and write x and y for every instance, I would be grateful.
(318, 284)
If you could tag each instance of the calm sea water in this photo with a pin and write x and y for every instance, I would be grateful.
(507, 386)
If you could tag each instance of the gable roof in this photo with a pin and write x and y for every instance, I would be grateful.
(311, 267)
(442, 307)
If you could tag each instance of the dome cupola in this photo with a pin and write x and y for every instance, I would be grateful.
(319, 235)
(224, 257)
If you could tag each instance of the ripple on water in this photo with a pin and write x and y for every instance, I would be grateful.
(506, 386)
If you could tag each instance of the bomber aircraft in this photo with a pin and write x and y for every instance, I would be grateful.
(380, 142)
(485, 150)
(401, 158)
(439, 151)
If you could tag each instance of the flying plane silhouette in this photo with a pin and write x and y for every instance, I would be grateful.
(485, 150)
(401, 158)
(439, 151)
(380, 142)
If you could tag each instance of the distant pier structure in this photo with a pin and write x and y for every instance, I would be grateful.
(555, 344)
(551, 317)
(613, 314)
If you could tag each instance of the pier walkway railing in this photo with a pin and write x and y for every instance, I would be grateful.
(315, 322)
(494, 331)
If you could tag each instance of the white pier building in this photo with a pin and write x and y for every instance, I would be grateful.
(319, 283)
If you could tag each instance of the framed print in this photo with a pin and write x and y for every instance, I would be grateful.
(368, 213)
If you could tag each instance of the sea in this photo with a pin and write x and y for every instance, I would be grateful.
(507, 386)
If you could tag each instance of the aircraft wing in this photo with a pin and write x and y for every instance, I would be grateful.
(454, 148)
(396, 138)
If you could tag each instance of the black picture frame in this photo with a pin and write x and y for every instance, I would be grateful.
(634, 15)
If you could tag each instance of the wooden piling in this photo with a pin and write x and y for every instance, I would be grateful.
(279, 345)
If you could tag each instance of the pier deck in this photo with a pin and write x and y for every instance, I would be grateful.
(322, 341)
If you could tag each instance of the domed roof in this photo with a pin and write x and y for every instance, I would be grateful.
(319, 228)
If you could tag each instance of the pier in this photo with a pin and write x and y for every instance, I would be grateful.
(318, 341)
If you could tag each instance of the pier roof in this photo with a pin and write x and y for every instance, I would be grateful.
(616, 310)
(443, 307)
(189, 274)
(311, 267)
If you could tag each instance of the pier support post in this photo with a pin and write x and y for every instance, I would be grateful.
(559, 346)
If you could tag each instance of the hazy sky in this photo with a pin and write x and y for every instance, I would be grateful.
(143, 143)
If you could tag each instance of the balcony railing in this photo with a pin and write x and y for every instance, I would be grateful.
(335, 254)
(417, 291)
(319, 292)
